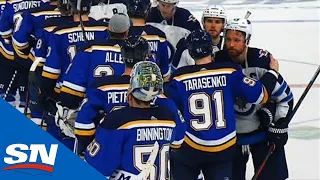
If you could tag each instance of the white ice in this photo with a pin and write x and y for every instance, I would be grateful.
(290, 31)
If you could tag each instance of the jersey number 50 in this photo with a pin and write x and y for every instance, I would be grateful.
(138, 159)
(200, 104)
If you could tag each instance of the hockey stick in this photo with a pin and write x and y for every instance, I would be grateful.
(144, 174)
(272, 146)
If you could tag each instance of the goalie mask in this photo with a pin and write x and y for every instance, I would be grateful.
(146, 81)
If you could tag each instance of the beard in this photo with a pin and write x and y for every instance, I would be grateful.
(234, 53)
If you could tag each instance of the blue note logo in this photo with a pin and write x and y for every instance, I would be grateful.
(22, 156)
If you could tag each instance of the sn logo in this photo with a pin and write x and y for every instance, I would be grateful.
(19, 158)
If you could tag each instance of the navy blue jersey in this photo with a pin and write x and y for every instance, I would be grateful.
(206, 95)
(125, 139)
(25, 38)
(258, 62)
(63, 44)
(158, 43)
(101, 59)
(182, 58)
(182, 18)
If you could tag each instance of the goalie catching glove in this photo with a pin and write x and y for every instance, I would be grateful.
(65, 119)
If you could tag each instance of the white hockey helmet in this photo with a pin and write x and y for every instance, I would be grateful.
(217, 11)
(242, 25)
(170, 1)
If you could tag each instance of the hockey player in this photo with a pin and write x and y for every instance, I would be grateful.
(258, 127)
(24, 40)
(167, 13)
(214, 19)
(103, 10)
(6, 57)
(63, 44)
(109, 93)
(102, 58)
(205, 93)
(138, 11)
(10, 21)
(135, 140)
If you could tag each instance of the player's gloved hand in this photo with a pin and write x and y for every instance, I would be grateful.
(65, 119)
(278, 133)
(266, 114)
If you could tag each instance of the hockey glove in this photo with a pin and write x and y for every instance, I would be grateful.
(266, 114)
(65, 119)
(278, 133)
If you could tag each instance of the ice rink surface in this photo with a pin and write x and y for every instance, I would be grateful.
(289, 29)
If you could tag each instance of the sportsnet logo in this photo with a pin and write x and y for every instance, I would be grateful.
(21, 156)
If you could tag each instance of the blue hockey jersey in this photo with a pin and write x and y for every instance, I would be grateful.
(11, 18)
(206, 95)
(103, 58)
(125, 139)
(107, 95)
(25, 38)
(63, 44)
(158, 43)
(41, 48)
(182, 18)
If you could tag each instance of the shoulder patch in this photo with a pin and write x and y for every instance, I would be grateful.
(263, 52)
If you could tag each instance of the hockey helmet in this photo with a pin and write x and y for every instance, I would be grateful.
(139, 8)
(146, 81)
(242, 25)
(135, 49)
(199, 43)
(217, 11)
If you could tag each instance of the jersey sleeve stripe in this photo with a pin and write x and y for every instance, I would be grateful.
(6, 53)
(74, 86)
(148, 123)
(6, 34)
(20, 45)
(84, 132)
(204, 73)
(50, 75)
(72, 92)
(19, 53)
(51, 70)
(84, 126)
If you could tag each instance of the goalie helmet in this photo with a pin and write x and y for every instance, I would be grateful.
(138, 8)
(82, 6)
(216, 11)
(199, 43)
(170, 1)
(242, 25)
(135, 49)
(146, 81)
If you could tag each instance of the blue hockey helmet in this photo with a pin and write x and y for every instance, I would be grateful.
(82, 6)
(138, 8)
(199, 43)
(135, 49)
